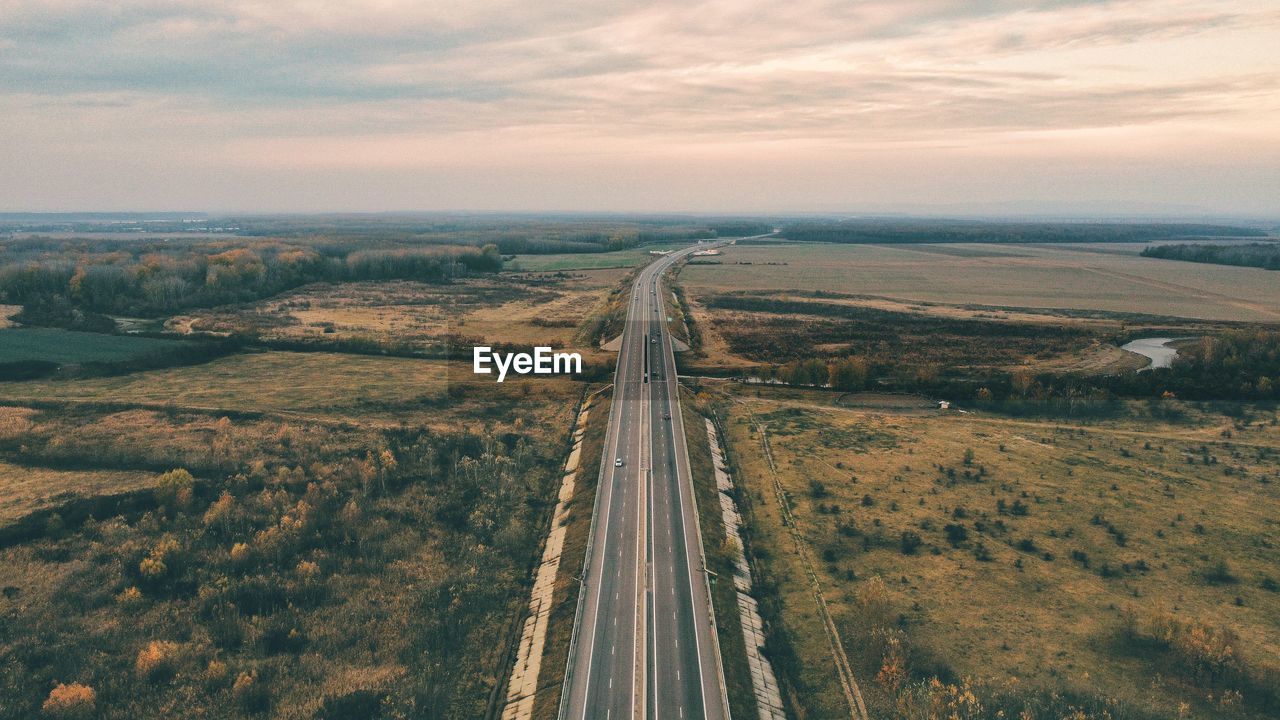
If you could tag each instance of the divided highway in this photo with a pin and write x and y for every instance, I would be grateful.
(643, 643)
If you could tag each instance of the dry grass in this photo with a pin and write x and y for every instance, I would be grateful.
(527, 309)
(323, 386)
(394, 588)
(837, 295)
(7, 312)
(572, 560)
(1017, 619)
(24, 490)
(1078, 277)
(591, 261)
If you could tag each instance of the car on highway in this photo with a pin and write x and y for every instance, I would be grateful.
(617, 463)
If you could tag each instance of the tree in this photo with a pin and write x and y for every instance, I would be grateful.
(175, 488)
(847, 374)
(910, 542)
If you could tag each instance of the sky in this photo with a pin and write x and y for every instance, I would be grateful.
(742, 106)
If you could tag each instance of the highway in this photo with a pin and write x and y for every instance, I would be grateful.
(643, 643)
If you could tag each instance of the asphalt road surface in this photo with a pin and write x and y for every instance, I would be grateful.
(643, 644)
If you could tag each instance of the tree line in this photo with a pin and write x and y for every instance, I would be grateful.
(73, 280)
(1259, 255)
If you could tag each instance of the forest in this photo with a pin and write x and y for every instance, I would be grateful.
(1239, 365)
(1259, 255)
(54, 279)
(511, 233)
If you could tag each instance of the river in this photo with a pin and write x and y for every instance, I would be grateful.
(1157, 349)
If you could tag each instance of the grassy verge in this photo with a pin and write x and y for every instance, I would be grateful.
(607, 319)
(686, 328)
(733, 652)
(795, 642)
(560, 625)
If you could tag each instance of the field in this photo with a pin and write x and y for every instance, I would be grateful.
(525, 309)
(326, 517)
(332, 547)
(1021, 558)
(25, 490)
(67, 347)
(921, 312)
(1109, 278)
(379, 391)
(587, 261)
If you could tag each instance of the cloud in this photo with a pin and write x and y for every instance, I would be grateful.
(245, 84)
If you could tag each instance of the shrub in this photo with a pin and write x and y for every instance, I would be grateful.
(956, 534)
(156, 660)
(240, 553)
(1220, 573)
(72, 702)
(910, 542)
(357, 705)
(130, 597)
(221, 512)
(250, 693)
(215, 674)
(175, 488)
(308, 570)
(160, 560)
(1208, 654)
(152, 567)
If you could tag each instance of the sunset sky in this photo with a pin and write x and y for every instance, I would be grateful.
(1146, 107)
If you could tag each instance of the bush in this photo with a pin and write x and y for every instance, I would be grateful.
(215, 674)
(156, 661)
(910, 542)
(250, 694)
(1220, 573)
(130, 597)
(357, 705)
(71, 702)
(175, 488)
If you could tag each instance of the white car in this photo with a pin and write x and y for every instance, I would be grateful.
(617, 463)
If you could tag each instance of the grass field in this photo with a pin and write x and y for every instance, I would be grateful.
(1076, 277)
(65, 346)
(341, 549)
(526, 309)
(588, 261)
(24, 490)
(1071, 537)
(329, 386)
